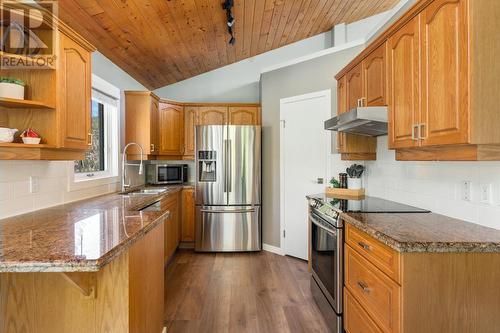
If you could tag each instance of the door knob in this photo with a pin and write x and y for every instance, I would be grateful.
(320, 180)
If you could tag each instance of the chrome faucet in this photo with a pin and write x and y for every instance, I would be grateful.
(125, 186)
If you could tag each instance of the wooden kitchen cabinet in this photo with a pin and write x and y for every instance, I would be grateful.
(141, 123)
(444, 53)
(404, 86)
(244, 115)
(212, 115)
(354, 87)
(74, 95)
(405, 292)
(172, 224)
(374, 78)
(352, 147)
(190, 121)
(188, 205)
(171, 130)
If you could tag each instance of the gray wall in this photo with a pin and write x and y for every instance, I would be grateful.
(306, 77)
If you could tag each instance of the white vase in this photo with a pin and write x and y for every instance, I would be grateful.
(354, 183)
(11, 90)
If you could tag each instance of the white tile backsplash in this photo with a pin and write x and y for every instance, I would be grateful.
(432, 185)
(15, 195)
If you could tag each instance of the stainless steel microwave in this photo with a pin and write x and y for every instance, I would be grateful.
(167, 174)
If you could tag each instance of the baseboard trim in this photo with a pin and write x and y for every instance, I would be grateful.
(273, 249)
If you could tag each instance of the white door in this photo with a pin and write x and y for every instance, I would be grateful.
(304, 151)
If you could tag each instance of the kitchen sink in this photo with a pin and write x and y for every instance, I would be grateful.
(146, 191)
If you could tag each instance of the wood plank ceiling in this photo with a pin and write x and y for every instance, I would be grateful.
(159, 42)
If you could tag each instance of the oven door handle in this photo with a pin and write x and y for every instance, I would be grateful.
(331, 232)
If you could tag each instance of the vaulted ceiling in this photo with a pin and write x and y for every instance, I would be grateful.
(159, 42)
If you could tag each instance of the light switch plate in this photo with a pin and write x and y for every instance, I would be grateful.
(34, 184)
(485, 193)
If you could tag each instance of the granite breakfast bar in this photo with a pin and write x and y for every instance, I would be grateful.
(95, 265)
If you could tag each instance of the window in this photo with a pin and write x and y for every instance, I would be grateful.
(101, 161)
(95, 159)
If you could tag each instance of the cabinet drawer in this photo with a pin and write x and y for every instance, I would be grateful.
(377, 293)
(356, 320)
(382, 256)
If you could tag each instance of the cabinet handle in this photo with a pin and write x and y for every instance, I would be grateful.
(365, 246)
(415, 135)
(152, 147)
(90, 137)
(364, 287)
(421, 131)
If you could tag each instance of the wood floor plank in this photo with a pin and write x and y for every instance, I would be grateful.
(239, 292)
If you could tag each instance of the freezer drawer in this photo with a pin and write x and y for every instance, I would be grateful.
(221, 229)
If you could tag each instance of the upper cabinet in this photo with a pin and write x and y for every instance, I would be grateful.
(190, 121)
(403, 85)
(141, 123)
(354, 87)
(56, 103)
(441, 82)
(171, 130)
(444, 57)
(374, 69)
(212, 115)
(75, 94)
(166, 129)
(244, 115)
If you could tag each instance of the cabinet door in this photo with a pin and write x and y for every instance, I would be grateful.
(445, 118)
(171, 129)
(403, 86)
(341, 108)
(171, 225)
(212, 115)
(374, 77)
(187, 215)
(75, 95)
(354, 87)
(249, 115)
(154, 130)
(190, 120)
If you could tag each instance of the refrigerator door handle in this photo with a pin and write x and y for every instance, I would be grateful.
(230, 166)
(251, 210)
(225, 165)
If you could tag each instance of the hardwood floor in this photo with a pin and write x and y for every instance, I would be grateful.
(239, 292)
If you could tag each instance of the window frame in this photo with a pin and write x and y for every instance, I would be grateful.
(78, 181)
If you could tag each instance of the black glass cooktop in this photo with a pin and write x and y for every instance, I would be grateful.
(367, 205)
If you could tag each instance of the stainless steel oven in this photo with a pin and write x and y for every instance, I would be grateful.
(159, 174)
(327, 258)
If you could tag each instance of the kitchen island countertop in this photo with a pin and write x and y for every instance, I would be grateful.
(82, 236)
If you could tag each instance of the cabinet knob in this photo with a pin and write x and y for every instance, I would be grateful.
(152, 147)
(421, 131)
(365, 246)
(90, 137)
(363, 287)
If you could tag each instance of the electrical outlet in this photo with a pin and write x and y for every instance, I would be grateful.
(465, 191)
(485, 193)
(34, 185)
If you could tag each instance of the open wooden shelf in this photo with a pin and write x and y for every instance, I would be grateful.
(23, 104)
(28, 59)
(23, 145)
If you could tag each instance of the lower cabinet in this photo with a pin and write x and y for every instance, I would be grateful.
(413, 292)
(172, 224)
(187, 233)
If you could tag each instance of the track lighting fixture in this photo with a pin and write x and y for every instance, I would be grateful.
(227, 6)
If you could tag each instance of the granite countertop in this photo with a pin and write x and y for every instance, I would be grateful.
(416, 232)
(82, 236)
(425, 232)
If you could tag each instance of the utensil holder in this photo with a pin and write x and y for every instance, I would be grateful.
(354, 183)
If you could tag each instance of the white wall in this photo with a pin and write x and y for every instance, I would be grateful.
(435, 185)
(15, 197)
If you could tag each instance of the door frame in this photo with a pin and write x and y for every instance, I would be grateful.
(328, 114)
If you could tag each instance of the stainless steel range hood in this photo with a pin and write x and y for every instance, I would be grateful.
(367, 121)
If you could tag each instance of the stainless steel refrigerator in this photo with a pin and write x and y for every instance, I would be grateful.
(228, 188)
